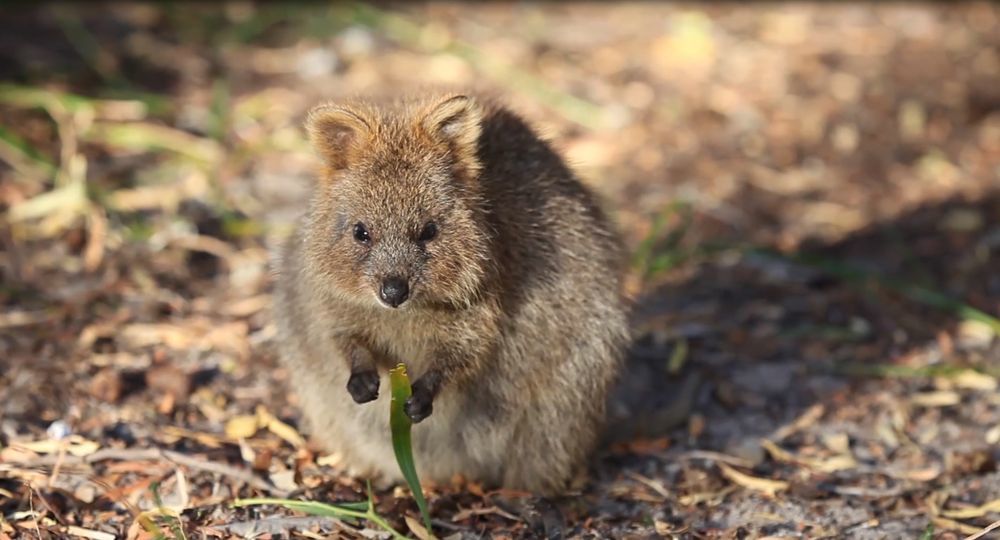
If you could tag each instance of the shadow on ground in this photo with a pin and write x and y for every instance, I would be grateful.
(839, 335)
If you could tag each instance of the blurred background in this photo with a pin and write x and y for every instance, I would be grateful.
(810, 193)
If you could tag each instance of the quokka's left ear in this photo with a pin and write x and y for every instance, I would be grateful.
(457, 121)
(338, 133)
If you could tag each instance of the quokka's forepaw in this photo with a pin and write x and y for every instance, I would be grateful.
(420, 405)
(363, 386)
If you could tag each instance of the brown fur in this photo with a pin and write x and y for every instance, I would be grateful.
(515, 327)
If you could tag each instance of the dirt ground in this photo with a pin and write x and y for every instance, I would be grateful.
(811, 194)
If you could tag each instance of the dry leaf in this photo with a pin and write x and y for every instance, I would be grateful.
(918, 475)
(17, 317)
(106, 385)
(87, 533)
(951, 525)
(993, 435)
(242, 427)
(286, 432)
(97, 232)
(284, 479)
(943, 398)
(140, 335)
(974, 380)
(245, 307)
(417, 529)
(765, 485)
(973, 512)
(279, 428)
(709, 498)
(808, 418)
(839, 443)
(330, 460)
(246, 453)
(830, 464)
(74, 445)
(975, 333)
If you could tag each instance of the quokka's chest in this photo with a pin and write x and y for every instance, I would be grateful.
(413, 341)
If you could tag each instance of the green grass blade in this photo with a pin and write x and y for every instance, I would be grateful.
(22, 155)
(172, 519)
(401, 442)
(31, 97)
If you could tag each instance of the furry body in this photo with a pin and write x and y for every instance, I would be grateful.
(514, 327)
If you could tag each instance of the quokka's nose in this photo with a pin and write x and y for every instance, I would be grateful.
(394, 291)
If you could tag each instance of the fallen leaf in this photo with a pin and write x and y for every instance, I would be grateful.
(97, 231)
(993, 435)
(245, 307)
(808, 418)
(837, 442)
(951, 525)
(286, 432)
(834, 463)
(765, 485)
(106, 385)
(974, 380)
(87, 533)
(74, 445)
(942, 398)
(975, 334)
(417, 529)
(330, 460)
(242, 427)
(284, 479)
(973, 512)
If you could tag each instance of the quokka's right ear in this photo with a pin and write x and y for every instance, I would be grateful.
(337, 133)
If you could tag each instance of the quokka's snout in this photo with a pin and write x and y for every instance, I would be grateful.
(394, 291)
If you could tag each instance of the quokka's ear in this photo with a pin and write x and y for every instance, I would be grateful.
(337, 133)
(457, 121)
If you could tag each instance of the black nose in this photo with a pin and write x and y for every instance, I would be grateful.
(394, 291)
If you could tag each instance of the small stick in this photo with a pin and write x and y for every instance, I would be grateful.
(985, 531)
(151, 454)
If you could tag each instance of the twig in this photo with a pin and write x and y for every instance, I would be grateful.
(709, 455)
(225, 470)
(649, 482)
(274, 525)
(873, 493)
(60, 458)
(31, 507)
(152, 454)
(985, 531)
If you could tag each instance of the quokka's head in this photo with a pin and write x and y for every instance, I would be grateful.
(397, 219)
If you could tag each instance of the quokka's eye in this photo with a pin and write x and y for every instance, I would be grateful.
(428, 232)
(361, 233)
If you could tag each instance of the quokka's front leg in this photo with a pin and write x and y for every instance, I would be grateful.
(364, 380)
